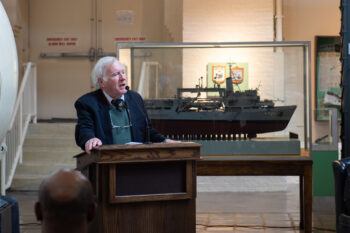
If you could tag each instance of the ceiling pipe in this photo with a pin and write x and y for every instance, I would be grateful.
(278, 20)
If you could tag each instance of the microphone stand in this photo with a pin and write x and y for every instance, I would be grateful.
(147, 132)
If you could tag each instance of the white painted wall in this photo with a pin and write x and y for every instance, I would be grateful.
(227, 20)
(303, 20)
(173, 20)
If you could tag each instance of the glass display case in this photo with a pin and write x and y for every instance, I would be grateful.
(246, 92)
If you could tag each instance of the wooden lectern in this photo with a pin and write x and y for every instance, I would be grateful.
(145, 188)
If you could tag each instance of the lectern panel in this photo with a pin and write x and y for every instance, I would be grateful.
(151, 181)
(150, 178)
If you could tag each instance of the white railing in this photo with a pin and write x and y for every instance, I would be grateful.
(25, 110)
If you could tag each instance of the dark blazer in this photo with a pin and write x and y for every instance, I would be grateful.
(94, 120)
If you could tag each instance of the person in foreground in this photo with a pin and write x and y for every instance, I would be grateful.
(112, 114)
(66, 203)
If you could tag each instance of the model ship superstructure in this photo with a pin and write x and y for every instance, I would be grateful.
(221, 114)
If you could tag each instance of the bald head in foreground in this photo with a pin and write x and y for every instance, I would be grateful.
(66, 203)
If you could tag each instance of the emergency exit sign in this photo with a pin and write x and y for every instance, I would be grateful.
(61, 41)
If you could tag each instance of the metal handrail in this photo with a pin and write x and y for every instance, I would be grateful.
(24, 112)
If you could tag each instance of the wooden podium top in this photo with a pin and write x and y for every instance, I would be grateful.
(140, 153)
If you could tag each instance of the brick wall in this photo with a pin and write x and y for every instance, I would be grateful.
(227, 20)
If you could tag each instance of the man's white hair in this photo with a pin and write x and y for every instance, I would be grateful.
(99, 70)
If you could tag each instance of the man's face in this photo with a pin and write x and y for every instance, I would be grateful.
(115, 80)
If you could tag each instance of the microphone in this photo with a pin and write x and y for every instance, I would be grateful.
(127, 88)
(147, 131)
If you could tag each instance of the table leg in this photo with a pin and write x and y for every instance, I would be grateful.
(308, 199)
(301, 202)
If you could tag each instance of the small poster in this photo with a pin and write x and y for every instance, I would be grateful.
(237, 74)
(218, 72)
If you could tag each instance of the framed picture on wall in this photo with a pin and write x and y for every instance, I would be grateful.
(327, 74)
(237, 74)
(218, 73)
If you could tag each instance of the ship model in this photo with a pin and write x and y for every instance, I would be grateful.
(228, 114)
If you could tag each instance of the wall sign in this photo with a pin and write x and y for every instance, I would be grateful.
(127, 39)
(125, 17)
(61, 41)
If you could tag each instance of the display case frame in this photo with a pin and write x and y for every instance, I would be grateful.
(129, 52)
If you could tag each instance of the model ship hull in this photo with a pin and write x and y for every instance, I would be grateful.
(208, 123)
(221, 113)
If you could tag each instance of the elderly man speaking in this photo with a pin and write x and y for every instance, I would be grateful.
(112, 114)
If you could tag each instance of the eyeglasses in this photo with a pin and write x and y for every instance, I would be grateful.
(119, 127)
(119, 74)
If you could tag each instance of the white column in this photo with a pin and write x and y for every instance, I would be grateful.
(279, 82)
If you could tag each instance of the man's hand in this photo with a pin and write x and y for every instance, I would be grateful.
(91, 144)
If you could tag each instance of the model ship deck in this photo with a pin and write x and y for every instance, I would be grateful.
(227, 114)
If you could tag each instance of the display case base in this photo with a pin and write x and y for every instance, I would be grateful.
(259, 146)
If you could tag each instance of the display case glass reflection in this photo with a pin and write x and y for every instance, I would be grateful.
(328, 66)
(258, 89)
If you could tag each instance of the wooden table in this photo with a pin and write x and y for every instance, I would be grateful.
(269, 165)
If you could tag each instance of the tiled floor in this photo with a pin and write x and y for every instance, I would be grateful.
(231, 212)
(258, 222)
(260, 212)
